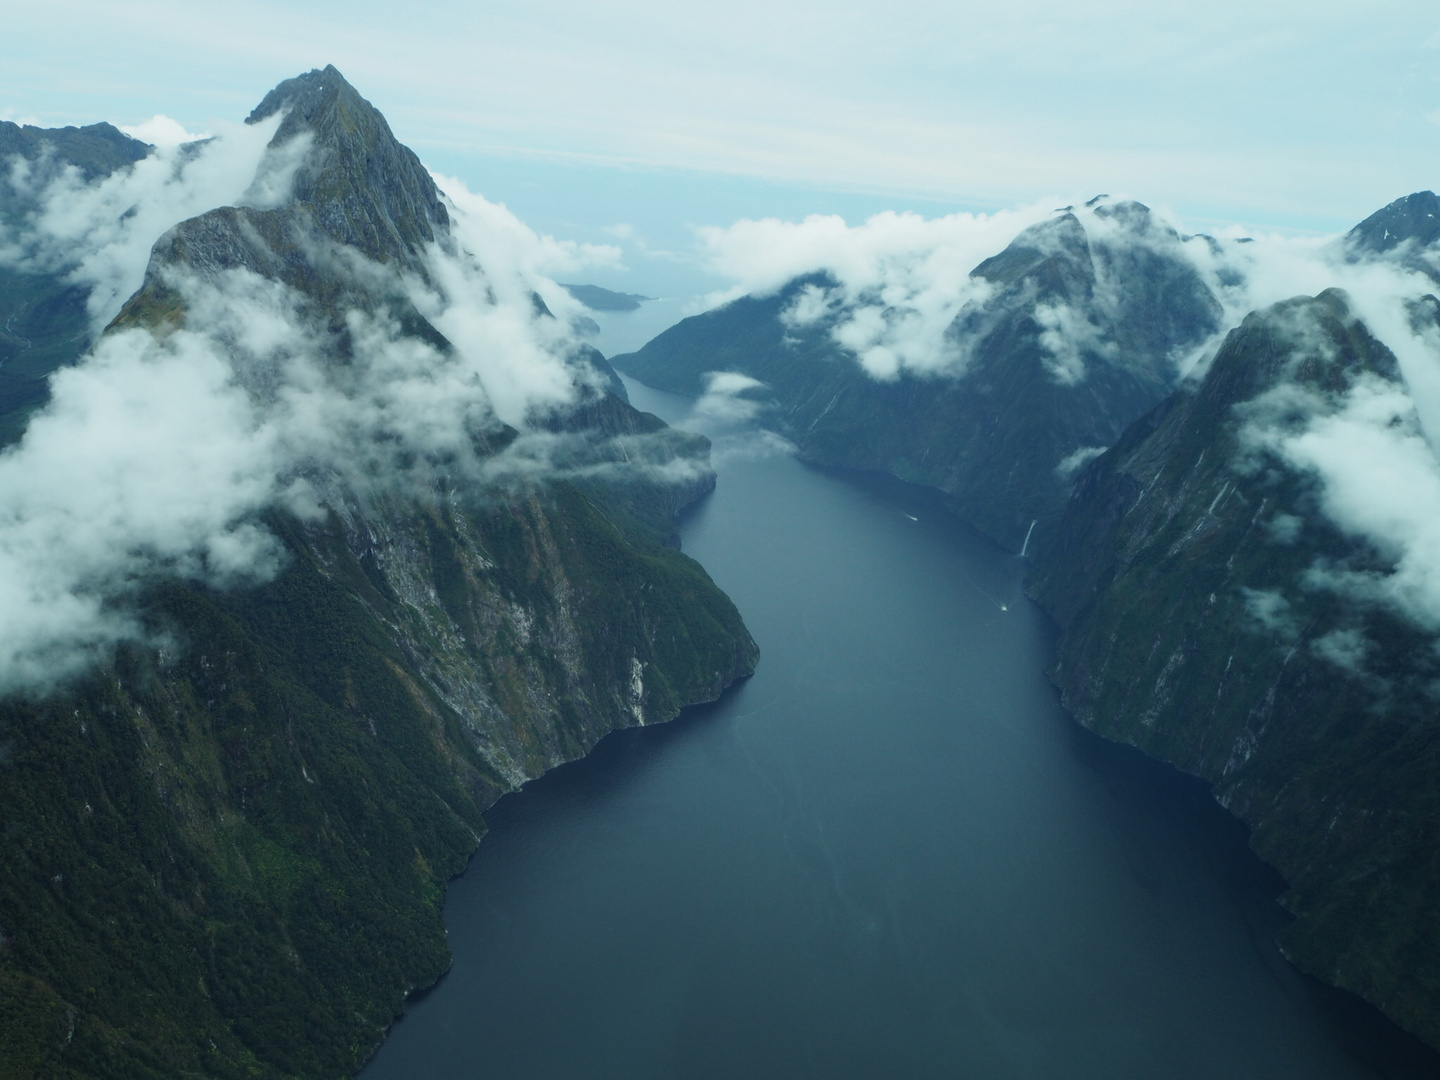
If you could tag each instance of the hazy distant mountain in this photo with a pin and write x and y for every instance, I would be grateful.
(96, 150)
(597, 299)
(226, 840)
(1078, 335)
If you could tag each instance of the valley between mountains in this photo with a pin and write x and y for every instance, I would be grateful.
(322, 528)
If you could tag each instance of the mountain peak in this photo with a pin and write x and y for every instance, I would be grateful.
(364, 188)
(307, 97)
(1414, 218)
(1056, 249)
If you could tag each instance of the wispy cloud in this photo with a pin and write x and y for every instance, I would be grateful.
(162, 131)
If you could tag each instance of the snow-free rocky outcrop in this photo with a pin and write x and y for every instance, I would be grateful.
(225, 842)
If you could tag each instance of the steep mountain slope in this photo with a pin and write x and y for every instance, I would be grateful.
(1076, 330)
(225, 843)
(1222, 615)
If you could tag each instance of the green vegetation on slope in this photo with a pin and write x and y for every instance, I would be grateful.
(227, 856)
(1162, 572)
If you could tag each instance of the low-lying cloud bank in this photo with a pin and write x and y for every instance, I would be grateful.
(160, 451)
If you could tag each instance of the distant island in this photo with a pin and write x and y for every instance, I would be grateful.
(597, 299)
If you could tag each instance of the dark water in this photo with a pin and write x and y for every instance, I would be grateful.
(889, 854)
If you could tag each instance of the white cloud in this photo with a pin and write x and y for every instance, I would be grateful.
(481, 300)
(162, 131)
(900, 279)
(897, 254)
(1345, 648)
(149, 457)
(1284, 528)
(1381, 482)
(724, 402)
(1068, 336)
(156, 454)
(897, 282)
(1271, 611)
(1371, 447)
(1074, 462)
(99, 234)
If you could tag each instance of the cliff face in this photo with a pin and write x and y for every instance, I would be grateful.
(1076, 337)
(224, 850)
(1213, 615)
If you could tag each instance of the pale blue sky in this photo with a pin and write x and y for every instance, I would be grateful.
(665, 116)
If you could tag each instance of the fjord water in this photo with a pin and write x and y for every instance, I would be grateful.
(888, 854)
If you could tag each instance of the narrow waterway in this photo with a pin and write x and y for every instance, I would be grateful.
(888, 854)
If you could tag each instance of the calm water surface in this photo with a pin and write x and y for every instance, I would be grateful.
(889, 854)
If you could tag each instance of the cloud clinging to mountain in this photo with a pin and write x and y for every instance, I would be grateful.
(159, 452)
(99, 233)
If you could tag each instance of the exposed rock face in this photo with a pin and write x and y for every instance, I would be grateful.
(993, 435)
(226, 856)
(365, 189)
(1184, 575)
